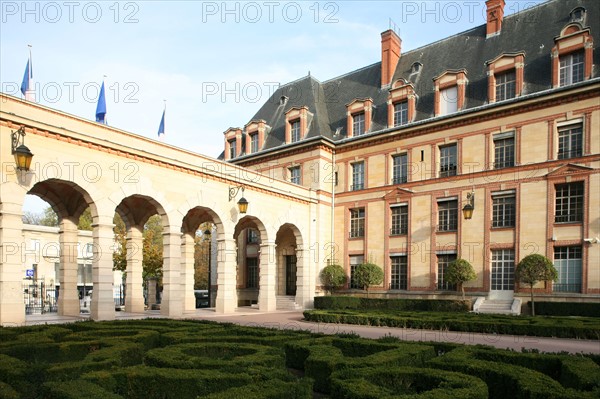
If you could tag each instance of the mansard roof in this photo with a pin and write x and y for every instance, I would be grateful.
(531, 31)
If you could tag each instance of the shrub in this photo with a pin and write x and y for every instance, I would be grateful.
(586, 309)
(397, 304)
(459, 272)
(534, 268)
(367, 275)
(333, 277)
(419, 383)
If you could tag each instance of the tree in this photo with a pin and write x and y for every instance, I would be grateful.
(333, 277)
(85, 220)
(153, 248)
(459, 272)
(201, 256)
(368, 274)
(49, 218)
(533, 269)
(120, 252)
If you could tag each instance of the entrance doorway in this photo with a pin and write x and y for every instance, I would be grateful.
(503, 274)
(290, 275)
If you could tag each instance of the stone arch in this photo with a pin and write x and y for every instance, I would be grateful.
(253, 256)
(192, 220)
(287, 243)
(67, 199)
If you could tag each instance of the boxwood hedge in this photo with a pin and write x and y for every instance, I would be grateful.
(184, 359)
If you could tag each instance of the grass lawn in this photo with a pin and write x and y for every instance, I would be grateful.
(189, 359)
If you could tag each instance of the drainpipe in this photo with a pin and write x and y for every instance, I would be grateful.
(332, 222)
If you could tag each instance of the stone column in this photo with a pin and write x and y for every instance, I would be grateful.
(152, 286)
(303, 275)
(12, 307)
(68, 298)
(267, 299)
(103, 304)
(134, 291)
(226, 301)
(172, 300)
(187, 272)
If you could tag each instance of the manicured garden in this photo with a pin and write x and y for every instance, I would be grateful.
(190, 359)
(454, 316)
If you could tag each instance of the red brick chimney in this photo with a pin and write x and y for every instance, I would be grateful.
(390, 55)
(495, 15)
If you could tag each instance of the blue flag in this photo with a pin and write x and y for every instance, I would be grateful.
(101, 107)
(27, 76)
(161, 127)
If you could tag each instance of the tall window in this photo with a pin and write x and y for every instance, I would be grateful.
(252, 237)
(400, 168)
(358, 176)
(569, 203)
(449, 100)
(448, 160)
(401, 113)
(358, 124)
(254, 143)
(355, 260)
(399, 220)
(295, 175)
(232, 149)
(295, 131)
(252, 275)
(357, 222)
(571, 68)
(567, 261)
(448, 215)
(570, 141)
(443, 261)
(399, 275)
(503, 270)
(503, 210)
(504, 151)
(506, 84)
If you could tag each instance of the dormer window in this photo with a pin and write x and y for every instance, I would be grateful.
(572, 55)
(253, 142)
(233, 143)
(296, 124)
(450, 88)
(571, 68)
(283, 100)
(416, 68)
(295, 130)
(505, 77)
(578, 15)
(256, 131)
(358, 116)
(232, 149)
(401, 103)
(358, 124)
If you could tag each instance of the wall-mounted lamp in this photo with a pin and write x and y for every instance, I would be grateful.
(243, 202)
(22, 154)
(469, 206)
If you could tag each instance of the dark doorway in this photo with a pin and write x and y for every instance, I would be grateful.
(290, 275)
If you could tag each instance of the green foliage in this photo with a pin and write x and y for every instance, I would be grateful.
(85, 220)
(333, 277)
(459, 272)
(534, 268)
(367, 275)
(159, 358)
(395, 304)
(586, 309)
(497, 324)
(120, 253)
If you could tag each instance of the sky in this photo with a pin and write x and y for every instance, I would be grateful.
(210, 63)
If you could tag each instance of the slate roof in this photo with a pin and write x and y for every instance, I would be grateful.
(531, 31)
